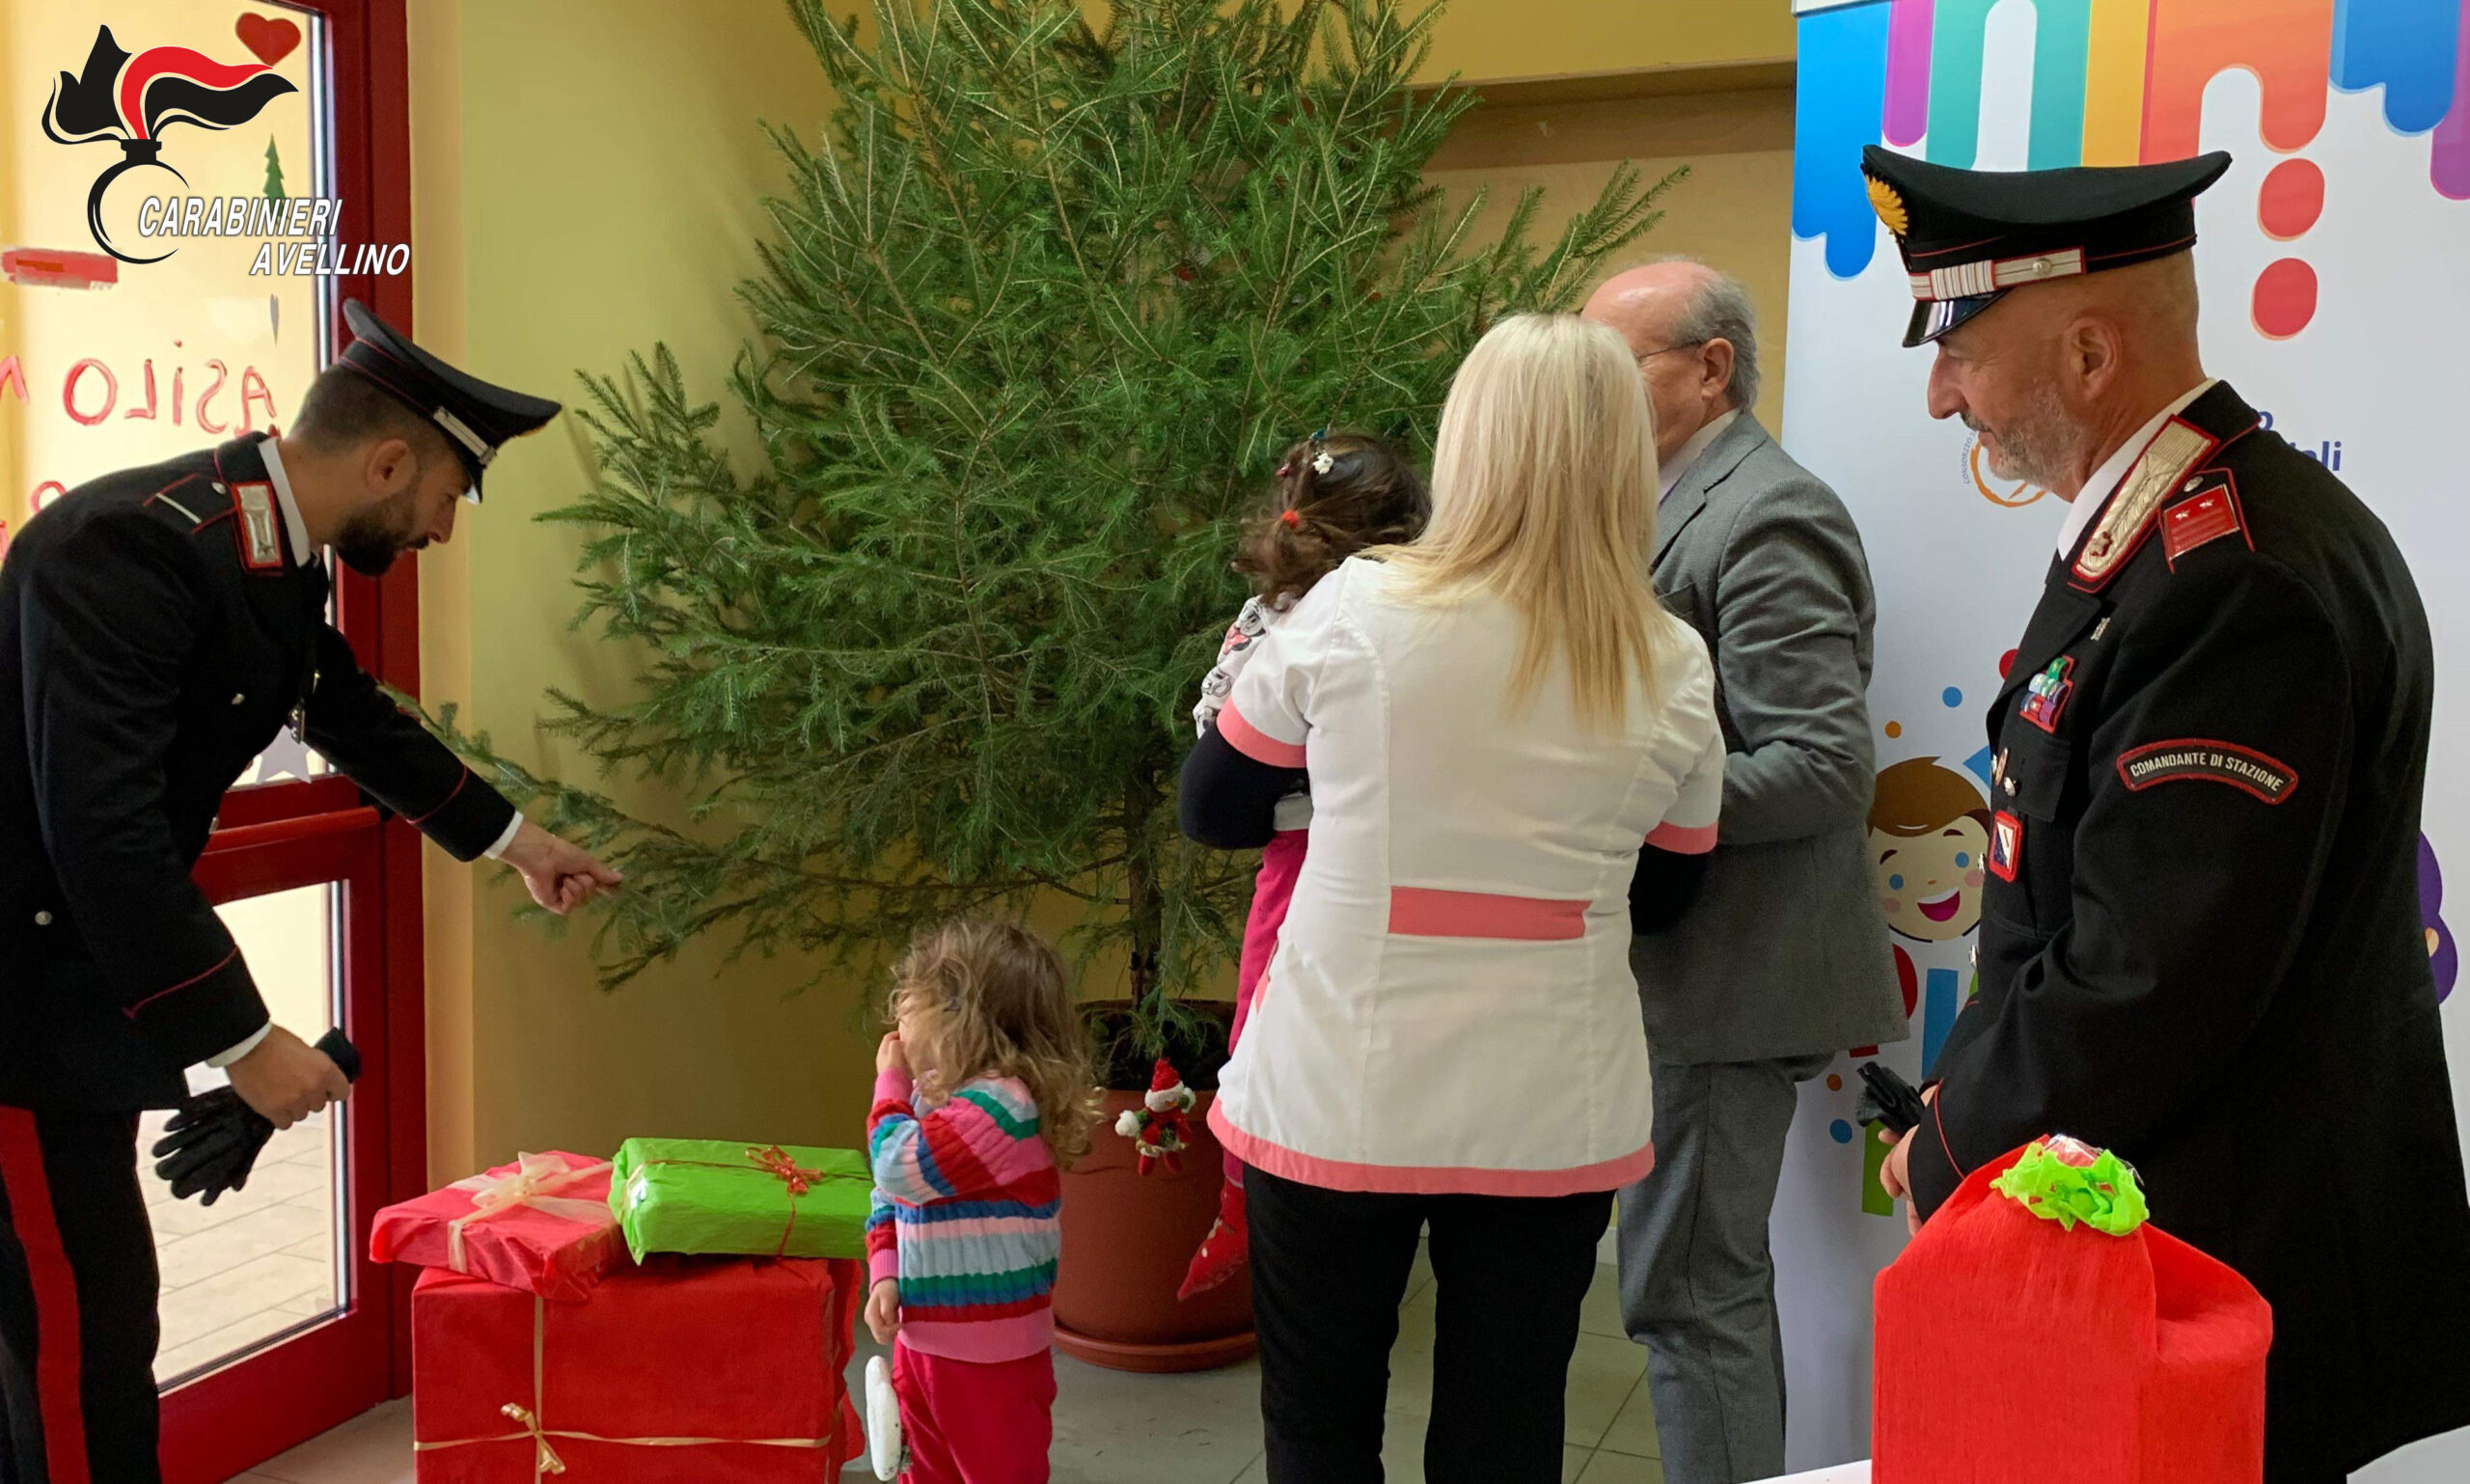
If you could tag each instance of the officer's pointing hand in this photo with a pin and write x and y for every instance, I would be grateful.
(286, 1078)
(562, 876)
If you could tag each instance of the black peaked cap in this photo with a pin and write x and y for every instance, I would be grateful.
(1969, 236)
(477, 416)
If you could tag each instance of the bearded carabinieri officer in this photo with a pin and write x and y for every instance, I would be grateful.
(2200, 943)
(157, 628)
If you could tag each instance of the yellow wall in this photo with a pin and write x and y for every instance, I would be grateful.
(587, 175)
(1501, 39)
(1733, 211)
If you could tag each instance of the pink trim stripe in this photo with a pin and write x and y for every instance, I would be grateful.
(988, 1226)
(1683, 838)
(1425, 912)
(1424, 1180)
(1254, 743)
(981, 1340)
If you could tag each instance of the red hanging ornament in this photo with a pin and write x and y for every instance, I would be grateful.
(1160, 1127)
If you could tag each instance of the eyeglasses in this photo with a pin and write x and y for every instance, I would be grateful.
(1667, 350)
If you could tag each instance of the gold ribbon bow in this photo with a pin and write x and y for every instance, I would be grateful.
(546, 1459)
(530, 1183)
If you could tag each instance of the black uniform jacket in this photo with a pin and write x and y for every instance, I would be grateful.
(155, 634)
(2200, 943)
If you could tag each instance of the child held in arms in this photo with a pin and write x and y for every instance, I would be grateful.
(1337, 494)
(982, 1093)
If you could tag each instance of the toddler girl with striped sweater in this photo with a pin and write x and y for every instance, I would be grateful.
(982, 1094)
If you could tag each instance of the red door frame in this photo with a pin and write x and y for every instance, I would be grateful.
(295, 834)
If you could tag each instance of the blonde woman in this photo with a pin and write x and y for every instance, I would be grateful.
(1492, 721)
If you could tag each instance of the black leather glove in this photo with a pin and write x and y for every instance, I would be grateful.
(211, 1144)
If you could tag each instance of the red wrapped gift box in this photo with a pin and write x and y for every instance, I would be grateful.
(541, 1225)
(2012, 1347)
(722, 1372)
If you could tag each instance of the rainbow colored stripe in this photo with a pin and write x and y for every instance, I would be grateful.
(2114, 82)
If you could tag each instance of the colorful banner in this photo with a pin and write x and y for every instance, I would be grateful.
(2335, 300)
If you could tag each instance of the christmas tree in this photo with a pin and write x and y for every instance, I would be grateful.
(274, 171)
(1047, 302)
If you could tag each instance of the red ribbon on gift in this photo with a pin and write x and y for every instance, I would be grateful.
(776, 1160)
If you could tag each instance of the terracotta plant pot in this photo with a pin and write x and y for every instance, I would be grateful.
(1128, 1238)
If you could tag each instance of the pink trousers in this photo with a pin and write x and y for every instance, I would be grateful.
(975, 1421)
(1273, 890)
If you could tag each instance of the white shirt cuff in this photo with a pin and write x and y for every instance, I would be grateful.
(218, 1064)
(513, 827)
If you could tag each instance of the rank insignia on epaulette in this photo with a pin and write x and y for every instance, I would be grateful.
(2006, 845)
(2178, 448)
(2045, 694)
(2209, 512)
(260, 528)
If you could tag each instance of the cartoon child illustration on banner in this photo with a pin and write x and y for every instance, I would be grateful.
(1929, 830)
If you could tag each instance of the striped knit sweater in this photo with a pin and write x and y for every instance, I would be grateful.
(966, 1216)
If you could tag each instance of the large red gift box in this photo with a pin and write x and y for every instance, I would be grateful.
(2011, 1347)
(541, 1225)
(719, 1371)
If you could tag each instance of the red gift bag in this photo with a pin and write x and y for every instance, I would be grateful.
(722, 1372)
(2037, 1329)
(541, 1225)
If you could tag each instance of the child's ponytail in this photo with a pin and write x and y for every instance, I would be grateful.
(1337, 494)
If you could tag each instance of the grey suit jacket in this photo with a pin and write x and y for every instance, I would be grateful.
(1785, 952)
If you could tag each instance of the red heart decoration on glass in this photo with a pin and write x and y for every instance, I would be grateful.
(271, 40)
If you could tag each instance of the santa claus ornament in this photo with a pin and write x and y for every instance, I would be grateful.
(1161, 1126)
(2040, 1328)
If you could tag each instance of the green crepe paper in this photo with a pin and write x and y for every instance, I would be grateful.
(712, 1196)
(2102, 1195)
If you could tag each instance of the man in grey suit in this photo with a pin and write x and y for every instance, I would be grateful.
(1782, 963)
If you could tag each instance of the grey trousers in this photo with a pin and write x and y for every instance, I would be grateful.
(1697, 1281)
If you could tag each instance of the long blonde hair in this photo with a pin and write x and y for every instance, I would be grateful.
(1543, 493)
(998, 1004)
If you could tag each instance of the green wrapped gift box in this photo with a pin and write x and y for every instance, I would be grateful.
(760, 1201)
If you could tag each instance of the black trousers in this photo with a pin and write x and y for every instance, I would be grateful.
(77, 1293)
(1328, 1271)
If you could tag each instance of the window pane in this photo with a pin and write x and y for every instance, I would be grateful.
(263, 1260)
(178, 354)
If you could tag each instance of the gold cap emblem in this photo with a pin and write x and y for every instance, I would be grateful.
(1889, 205)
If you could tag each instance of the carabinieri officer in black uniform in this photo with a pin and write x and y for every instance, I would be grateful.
(156, 627)
(2200, 942)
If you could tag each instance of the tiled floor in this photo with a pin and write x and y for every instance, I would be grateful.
(1111, 1428)
(258, 1261)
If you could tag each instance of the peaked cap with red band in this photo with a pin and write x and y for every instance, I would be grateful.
(1969, 236)
(475, 415)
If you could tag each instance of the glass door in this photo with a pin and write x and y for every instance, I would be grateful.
(131, 330)
(266, 1261)
(275, 1325)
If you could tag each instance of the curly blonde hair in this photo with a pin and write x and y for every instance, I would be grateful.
(995, 1001)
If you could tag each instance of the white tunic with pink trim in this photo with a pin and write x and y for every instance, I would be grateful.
(1450, 1007)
